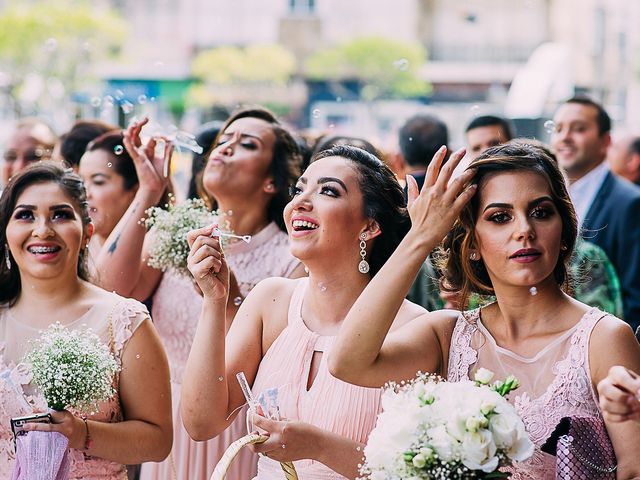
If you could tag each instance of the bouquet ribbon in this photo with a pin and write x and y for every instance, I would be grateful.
(41, 456)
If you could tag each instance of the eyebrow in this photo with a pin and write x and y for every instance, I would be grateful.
(532, 203)
(100, 174)
(242, 135)
(52, 207)
(322, 180)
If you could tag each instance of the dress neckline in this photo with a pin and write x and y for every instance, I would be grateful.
(82, 317)
(304, 282)
(521, 358)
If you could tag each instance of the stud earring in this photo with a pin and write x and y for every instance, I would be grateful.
(7, 259)
(473, 256)
(563, 247)
(363, 266)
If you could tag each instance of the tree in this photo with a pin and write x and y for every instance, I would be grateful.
(385, 67)
(230, 75)
(46, 48)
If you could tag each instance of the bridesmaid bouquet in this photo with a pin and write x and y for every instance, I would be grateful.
(432, 429)
(72, 369)
(169, 247)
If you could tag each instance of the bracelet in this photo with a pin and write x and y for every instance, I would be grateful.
(88, 441)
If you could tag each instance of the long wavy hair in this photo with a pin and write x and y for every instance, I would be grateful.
(462, 275)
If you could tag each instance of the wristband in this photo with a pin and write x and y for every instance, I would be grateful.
(88, 441)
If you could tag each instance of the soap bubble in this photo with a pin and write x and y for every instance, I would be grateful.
(127, 107)
(96, 101)
(401, 64)
(316, 113)
(118, 149)
(142, 99)
(549, 126)
(475, 110)
(51, 44)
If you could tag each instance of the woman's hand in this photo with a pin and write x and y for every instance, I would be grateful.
(67, 424)
(619, 394)
(288, 441)
(436, 207)
(152, 171)
(207, 264)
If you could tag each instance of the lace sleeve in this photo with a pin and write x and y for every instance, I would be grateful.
(126, 317)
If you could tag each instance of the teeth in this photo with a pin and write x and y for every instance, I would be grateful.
(304, 224)
(43, 249)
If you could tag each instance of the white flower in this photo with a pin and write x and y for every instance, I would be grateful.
(479, 451)
(483, 376)
(443, 443)
(419, 461)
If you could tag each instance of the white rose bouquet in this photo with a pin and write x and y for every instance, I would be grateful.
(72, 368)
(169, 247)
(432, 429)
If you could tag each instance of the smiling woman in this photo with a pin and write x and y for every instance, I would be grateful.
(45, 228)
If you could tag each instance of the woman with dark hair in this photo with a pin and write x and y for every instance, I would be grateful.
(111, 181)
(73, 144)
(346, 216)
(249, 169)
(44, 231)
(514, 240)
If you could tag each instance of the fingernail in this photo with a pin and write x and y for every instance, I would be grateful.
(442, 148)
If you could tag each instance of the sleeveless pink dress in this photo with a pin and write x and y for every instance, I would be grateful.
(17, 396)
(555, 383)
(176, 310)
(330, 404)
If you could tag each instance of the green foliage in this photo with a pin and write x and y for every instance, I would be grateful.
(254, 65)
(56, 39)
(388, 68)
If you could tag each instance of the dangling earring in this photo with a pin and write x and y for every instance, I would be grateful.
(363, 266)
(7, 259)
(473, 257)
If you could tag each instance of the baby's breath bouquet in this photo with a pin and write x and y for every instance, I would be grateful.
(72, 368)
(169, 247)
(433, 429)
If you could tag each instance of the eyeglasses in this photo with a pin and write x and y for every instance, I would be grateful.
(29, 156)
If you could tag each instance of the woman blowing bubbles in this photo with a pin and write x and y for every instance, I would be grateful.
(346, 216)
(512, 240)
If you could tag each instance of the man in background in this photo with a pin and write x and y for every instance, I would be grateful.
(419, 139)
(607, 206)
(484, 132)
(624, 158)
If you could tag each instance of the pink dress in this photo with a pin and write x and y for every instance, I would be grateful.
(330, 404)
(555, 383)
(176, 310)
(17, 396)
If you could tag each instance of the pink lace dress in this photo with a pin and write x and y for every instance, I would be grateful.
(176, 310)
(330, 404)
(115, 324)
(555, 383)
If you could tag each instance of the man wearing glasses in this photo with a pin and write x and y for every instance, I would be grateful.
(31, 141)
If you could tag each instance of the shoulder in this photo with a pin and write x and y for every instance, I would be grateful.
(610, 329)
(623, 193)
(275, 288)
(612, 342)
(441, 323)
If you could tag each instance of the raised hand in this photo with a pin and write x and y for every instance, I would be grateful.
(153, 171)
(207, 264)
(436, 207)
(619, 394)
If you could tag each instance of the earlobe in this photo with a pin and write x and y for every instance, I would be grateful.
(270, 187)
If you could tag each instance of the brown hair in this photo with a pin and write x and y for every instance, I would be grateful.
(460, 273)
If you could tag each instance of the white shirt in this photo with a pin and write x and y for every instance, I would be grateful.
(584, 191)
